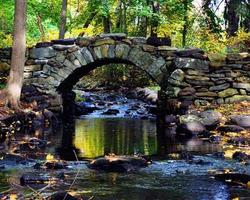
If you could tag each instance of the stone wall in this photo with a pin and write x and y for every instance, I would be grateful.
(182, 74)
(204, 82)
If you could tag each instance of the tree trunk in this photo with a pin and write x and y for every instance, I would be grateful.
(231, 17)
(106, 24)
(15, 80)
(40, 27)
(184, 33)
(155, 23)
(63, 19)
(119, 16)
(87, 22)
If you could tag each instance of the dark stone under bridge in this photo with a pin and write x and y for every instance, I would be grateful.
(183, 74)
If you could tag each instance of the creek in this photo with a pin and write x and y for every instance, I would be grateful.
(125, 133)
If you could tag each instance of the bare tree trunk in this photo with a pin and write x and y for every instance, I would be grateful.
(106, 24)
(40, 27)
(15, 80)
(231, 17)
(63, 19)
(119, 16)
(185, 27)
(155, 23)
(87, 22)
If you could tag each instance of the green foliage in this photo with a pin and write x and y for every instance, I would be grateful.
(79, 97)
(205, 28)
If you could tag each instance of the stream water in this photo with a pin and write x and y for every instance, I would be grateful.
(97, 135)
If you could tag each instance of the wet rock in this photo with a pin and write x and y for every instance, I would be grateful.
(186, 156)
(240, 120)
(171, 120)
(56, 165)
(118, 163)
(88, 107)
(12, 159)
(198, 162)
(190, 129)
(233, 178)
(111, 112)
(240, 156)
(36, 179)
(61, 196)
(215, 138)
(35, 143)
(230, 128)
(189, 118)
(220, 155)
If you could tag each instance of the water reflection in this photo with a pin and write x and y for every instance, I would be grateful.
(98, 137)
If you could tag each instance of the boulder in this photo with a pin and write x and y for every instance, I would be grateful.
(118, 163)
(190, 129)
(233, 178)
(230, 128)
(210, 119)
(240, 156)
(240, 120)
(170, 120)
(111, 112)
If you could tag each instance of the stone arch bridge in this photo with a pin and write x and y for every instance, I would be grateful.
(53, 68)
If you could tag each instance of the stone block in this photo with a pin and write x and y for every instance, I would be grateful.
(41, 53)
(87, 55)
(178, 74)
(122, 51)
(237, 98)
(228, 92)
(219, 87)
(191, 63)
(83, 41)
(32, 68)
(80, 58)
(106, 41)
(245, 86)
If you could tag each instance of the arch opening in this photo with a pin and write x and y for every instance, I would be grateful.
(67, 85)
(73, 78)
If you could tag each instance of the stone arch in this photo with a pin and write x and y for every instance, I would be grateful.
(78, 61)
